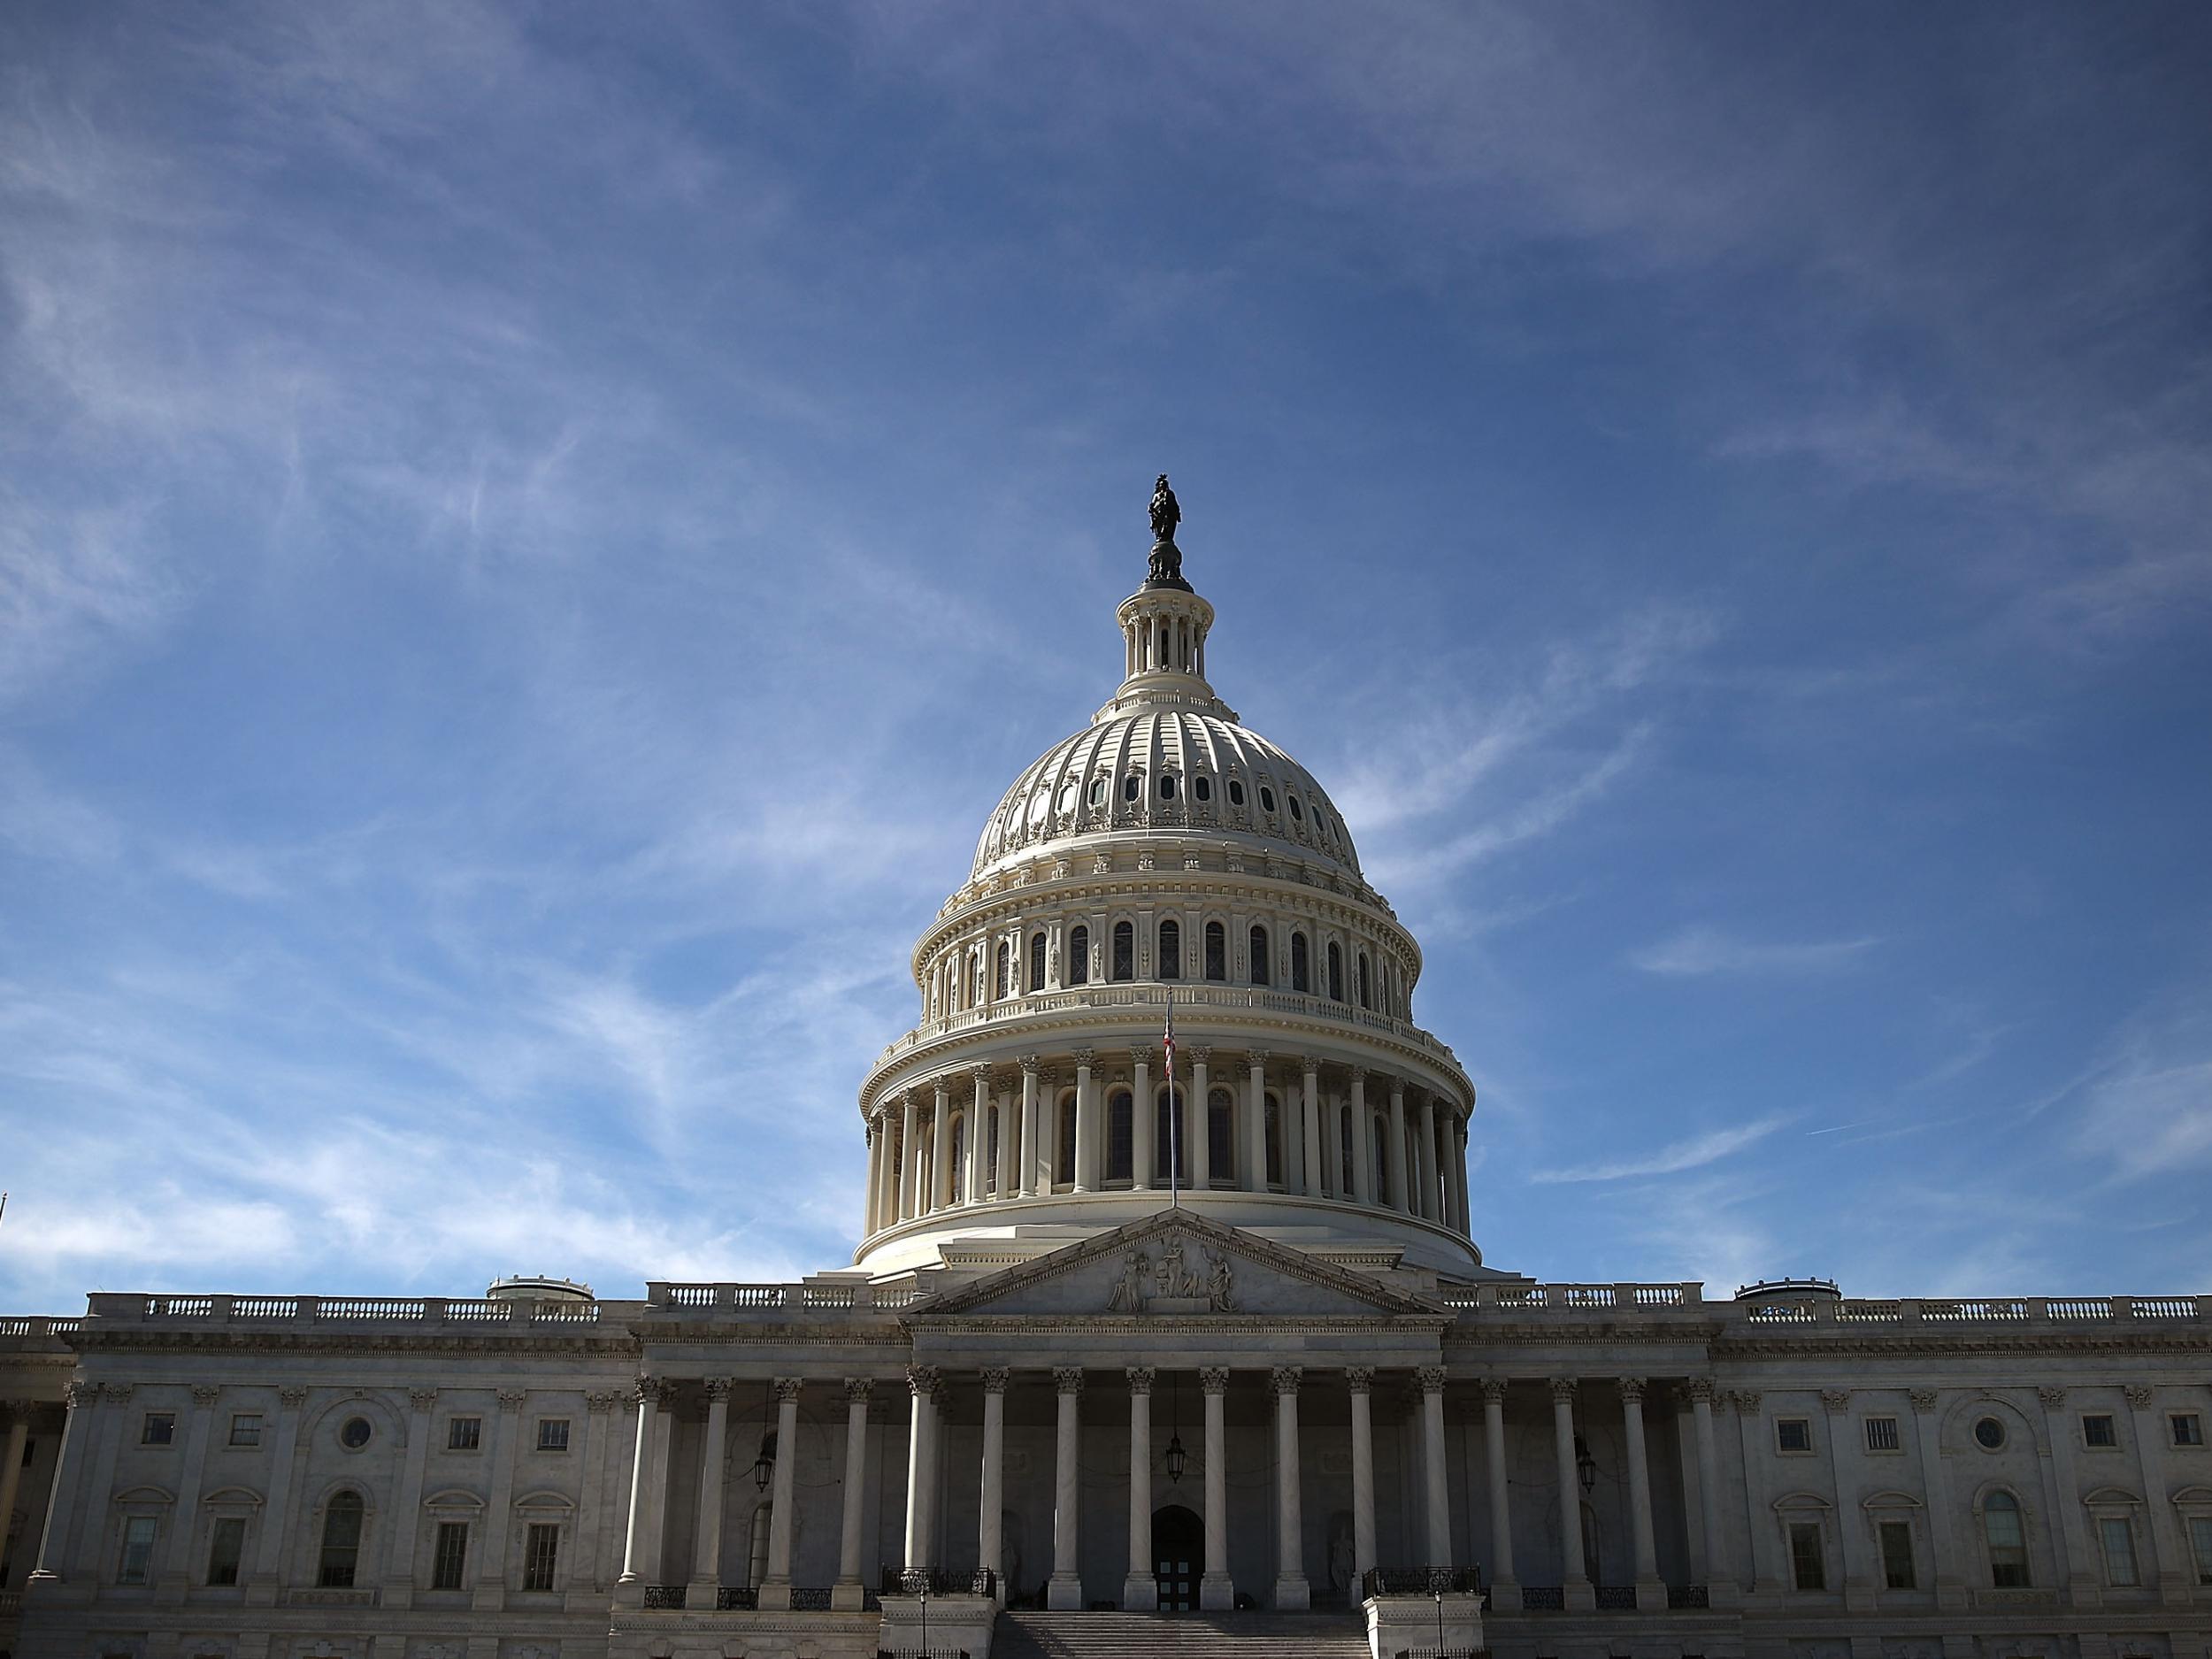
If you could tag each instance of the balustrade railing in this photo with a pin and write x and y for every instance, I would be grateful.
(342, 1310)
(37, 1324)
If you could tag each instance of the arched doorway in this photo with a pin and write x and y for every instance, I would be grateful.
(1178, 1557)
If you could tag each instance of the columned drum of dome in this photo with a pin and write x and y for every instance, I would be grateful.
(1163, 852)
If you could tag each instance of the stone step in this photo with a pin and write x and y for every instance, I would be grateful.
(1037, 1635)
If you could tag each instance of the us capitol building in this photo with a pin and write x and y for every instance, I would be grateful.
(1129, 1360)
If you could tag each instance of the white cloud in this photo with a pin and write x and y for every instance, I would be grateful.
(1706, 950)
(1692, 1154)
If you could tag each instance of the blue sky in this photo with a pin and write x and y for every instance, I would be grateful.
(532, 540)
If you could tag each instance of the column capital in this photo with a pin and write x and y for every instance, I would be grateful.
(1201, 1054)
(647, 1391)
(1067, 1379)
(1259, 1056)
(1310, 1065)
(1213, 1379)
(994, 1378)
(1923, 1399)
(2139, 1394)
(858, 1390)
(1397, 1091)
(79, 1394)
(599, 1405)
(1360, 1379)
(1084, 1057)
(1031, 1063)
(512, 1399)
(1285, 1379)
(981, 1072)
(1746, 1401)
(923, 1380)
(295, 1396)
(1494, 1390)
(1430, 1378)
(906, 1098)
(787, 1390)
(120, 1391)
(205, 1394)
(718, 1388)
(1563, 1389)
(1139, 1379)
(2052, 1397)
(1699, 1389)
(1140, 1054)
(1633, 1390)
(1836, 1401)
(1359, 1075)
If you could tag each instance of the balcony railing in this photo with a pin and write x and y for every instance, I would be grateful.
(1509, 1298)
(737, 1599)
(1615, 1598)
(1971, 1311)
(343, 1310)
(1689, 1598)
(937, 1581)
(1422, 1581)
(732, 1297)
(1543, 1598)
(37, 1324)
(665, 1598)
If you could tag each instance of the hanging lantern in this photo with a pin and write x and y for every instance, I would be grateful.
(764, 1465)
(1585, 1465)
(1177, 1458)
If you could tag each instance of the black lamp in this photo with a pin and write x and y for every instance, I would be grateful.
(1177, 1458)
(1585, 1465)
(764, 1465)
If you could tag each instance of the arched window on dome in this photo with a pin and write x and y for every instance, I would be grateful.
(1080, 960)
(976, 979)
(1336, 974)
(1366, 983)
(1170, 950)
(1170, 1137)
(1261, 972)
(2007, 1537)
(341, 1542)
(1036, 962)
(1300, 967)
(959, 1156)
(1120, 1136)
(1221, 1161)
(1217, 951)
(1005, 969)
(1064, 1168)
(1124, 951)
(1274, 1141)
(1381, 1132)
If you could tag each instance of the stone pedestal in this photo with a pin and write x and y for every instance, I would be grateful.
(1398, 1624)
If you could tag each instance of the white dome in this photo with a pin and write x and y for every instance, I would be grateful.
(1171, 770)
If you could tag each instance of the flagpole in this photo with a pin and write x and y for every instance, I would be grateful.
(1174, 1115)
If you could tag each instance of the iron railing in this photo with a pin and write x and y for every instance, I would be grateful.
(937, 1581)
(667, 1598)
(1689, 1598)
(1422, 1581)
(733, 1598)
(1543, 1598)
(1616, 1598)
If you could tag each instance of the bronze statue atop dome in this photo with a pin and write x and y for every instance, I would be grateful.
(1167, 558)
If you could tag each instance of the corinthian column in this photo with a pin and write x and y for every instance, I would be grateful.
(909, 1158)
(1139, 1590)
(642, 1482)
(1216, 1591)
(1501, 1504)
(1430, 1379)
(1292, 1592)
(1065, 1593)
(1311, 1123)
(991, 1500)
(941, 1151)
(978, 1147)
(775, 1589)
(1360, 1379)
(706, 1563)
(1256, 1121)
(1087, 1135)
(847, 1595)
(921, 1382)
(1573, 1574)
(1649, 1590)
(1143, 1120)
(1033, 1165)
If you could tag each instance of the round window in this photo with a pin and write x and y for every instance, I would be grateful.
(1989, 1433)
(1201, 789)
(1236, 793)
(1167, 786)
(1267, 799)
(354, 1433)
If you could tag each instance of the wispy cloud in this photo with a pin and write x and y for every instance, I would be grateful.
(1692, 1154)
(1705, 950)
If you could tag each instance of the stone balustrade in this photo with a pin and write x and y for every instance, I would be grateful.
(106, 1308)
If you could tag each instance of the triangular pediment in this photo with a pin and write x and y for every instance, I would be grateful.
(1177, 1263)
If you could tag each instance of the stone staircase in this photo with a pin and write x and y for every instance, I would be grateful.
(1252, 1635)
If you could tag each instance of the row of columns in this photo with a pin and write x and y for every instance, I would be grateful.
(1419, 1177)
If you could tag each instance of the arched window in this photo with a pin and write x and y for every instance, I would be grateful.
(1080, 957)
(1124, 951)
(1236, 793)
(1263, 973)
(2008, 1541)
(1132, 787)
(959, 1158)
(1274, 1141)
(1170, 951)
(1301, 968)
(1383, 1194)
(1221, 1162)
(1336, 974)
(1167, 786)
(1217, 951)
(1005, 969)
(1366, 983)
(1065, 1172)
(1036, 962)
(341, 1542)
(1171, 1136)
(1120, 1136)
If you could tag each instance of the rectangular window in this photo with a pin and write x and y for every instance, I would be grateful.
(552, 1434)
(2097, 1429)
(2118, 1538)
(463, 1434)
(1792, 1434)
(225, 1546)
(1881, 1434)
(245, 1428)
(1808, 1567)
(541, 1550)
(2200, 1544)
(451, 1556)
(159, 1429)
(138, 1549)
(2188, 1428)
(1897, 1568)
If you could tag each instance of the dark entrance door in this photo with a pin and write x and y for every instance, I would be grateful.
(1179, 1551)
